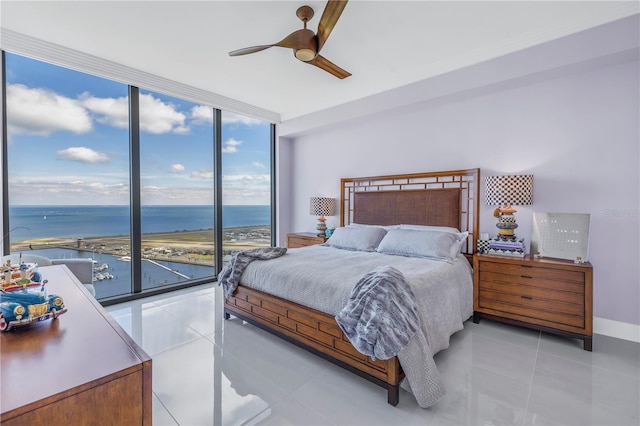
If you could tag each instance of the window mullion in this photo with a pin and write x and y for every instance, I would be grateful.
(134, 167)
(6, 240)
(217, 188)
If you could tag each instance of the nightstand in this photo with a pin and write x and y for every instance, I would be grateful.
(303, 239)
(551, 295)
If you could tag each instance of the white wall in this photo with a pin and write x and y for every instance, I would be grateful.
(577, 133)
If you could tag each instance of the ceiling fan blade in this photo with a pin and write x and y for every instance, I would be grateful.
(300, 39)
(296, 40)
(325, 64)
(252, 49)
(332, 12)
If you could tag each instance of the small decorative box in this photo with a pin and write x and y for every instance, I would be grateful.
(502, 245)
(483, 246)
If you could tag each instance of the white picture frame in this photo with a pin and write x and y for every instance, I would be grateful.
(561, 236)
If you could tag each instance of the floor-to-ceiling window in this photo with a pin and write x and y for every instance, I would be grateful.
(246, 183)
(68, 166)
(176, 190)
(76, 187)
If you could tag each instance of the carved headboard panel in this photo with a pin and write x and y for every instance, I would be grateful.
(434, 207)
(449, 198)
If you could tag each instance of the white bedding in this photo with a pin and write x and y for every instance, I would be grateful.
(322, 277)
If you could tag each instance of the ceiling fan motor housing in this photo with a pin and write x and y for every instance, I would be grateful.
(306, 45)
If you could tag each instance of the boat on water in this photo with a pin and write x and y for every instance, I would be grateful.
(125, 258)
(101, 267)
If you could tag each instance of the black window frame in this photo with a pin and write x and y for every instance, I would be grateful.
(137, 291)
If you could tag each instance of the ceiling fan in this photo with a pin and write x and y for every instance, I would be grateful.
(305, 44)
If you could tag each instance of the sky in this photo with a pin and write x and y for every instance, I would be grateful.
(68, 143)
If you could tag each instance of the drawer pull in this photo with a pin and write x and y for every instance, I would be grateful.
(527, 297)
(526, 276)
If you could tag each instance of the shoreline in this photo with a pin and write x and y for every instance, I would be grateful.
(187, 246)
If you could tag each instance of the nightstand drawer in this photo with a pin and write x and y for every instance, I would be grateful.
(520, 301)
(297, 240)
(532, 279)
(535, 309)
(536, 273)
(533, 291)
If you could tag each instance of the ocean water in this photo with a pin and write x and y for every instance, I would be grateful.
(29, 222)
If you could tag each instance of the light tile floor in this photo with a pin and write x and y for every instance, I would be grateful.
(207, 371)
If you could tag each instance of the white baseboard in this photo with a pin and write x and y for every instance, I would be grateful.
(620, 330)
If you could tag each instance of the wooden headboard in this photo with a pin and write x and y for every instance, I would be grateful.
(449, 198)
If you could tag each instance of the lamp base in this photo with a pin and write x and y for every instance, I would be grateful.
(506, 221)
(321, 228)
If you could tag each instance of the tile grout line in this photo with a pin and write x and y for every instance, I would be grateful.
(164, 406)
(533, 374)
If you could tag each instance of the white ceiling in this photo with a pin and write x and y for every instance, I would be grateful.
(384, 44)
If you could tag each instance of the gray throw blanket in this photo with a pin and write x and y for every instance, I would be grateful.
(230, 275)
(381, 315)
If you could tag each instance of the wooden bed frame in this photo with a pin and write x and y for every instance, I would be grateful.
(448, 198)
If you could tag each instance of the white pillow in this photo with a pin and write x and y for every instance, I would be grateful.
(361, 238)
(435, 245)
(362, 225)
(430, 228)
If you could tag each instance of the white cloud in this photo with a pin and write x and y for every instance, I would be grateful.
(258, 164)
(202, 174)
(177, 168)
(171, 196)
(246, 178)
(34, 111)
(111, 111)
(156, 117)
(83, 155)
(201, 114)
(233, 118)
(182, 130)
(230, 146)
(243, 189)
(67, 190)
(159, 117)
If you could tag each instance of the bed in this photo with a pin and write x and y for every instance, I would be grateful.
(274, 296)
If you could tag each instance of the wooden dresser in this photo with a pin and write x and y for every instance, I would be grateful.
(79, 369)
(303, 239)
(552, 295)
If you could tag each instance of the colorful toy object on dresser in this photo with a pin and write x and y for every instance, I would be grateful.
(20, 275)
(23, 298)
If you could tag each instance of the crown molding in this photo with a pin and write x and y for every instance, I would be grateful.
(35, 48)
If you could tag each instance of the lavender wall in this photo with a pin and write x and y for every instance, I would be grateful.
(576, 131)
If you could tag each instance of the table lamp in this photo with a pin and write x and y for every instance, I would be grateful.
(321, 207)
(506, 191)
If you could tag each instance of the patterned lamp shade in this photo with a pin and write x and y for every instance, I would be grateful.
(322, 206)
(512, 190)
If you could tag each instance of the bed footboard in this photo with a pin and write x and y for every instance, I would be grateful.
(314, 331)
